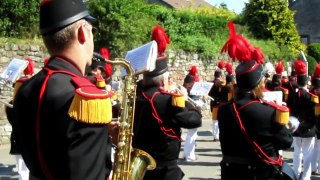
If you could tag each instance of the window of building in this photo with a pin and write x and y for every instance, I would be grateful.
(305, 39)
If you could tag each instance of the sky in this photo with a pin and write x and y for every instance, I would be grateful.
(233, 5)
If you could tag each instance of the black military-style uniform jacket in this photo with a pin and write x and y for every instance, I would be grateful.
(215, 92)
(157, 125)
(226, 93)
(15, 147)
(259, 119)
(304, 111)
(291, 86)
(70, 149)
(161, 137)
(316, 90)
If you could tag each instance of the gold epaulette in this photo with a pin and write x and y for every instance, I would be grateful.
(18, 84)
(214, 112)
(90, 104)
(314, 98)
(282, 113)
(178, 101)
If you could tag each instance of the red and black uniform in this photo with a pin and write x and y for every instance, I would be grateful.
(239, 160)
(316, 90)
(215, 92)
(69, 149)
(291, 86)
(157, 130)
(304, 111)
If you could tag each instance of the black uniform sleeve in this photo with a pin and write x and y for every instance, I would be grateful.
(188, 117)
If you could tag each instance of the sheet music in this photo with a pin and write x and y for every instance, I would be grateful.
(12, 72)
(143, 58)
(201, 88)
(273, 96)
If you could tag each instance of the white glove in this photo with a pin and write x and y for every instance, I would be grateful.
(293, 124)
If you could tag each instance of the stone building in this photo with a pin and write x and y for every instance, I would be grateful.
(307, 19)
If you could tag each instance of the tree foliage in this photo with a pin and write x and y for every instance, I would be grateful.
(19, 18)
(122, 25)
(272, 19)
(314, 51)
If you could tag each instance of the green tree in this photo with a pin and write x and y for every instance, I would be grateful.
(272, 19)
(19, 18)
(122, 25)
(314, 51)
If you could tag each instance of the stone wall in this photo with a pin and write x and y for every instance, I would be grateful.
(179, 63)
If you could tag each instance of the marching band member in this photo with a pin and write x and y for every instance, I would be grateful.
(60, 134)
(304, 111)
(160, 115)
(275, 84)
(190, 141)
(251, 130)
(315, 164)
(215, 93)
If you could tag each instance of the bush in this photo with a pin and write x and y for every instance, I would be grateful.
(311, 64)
(314, 51)
(19, 18)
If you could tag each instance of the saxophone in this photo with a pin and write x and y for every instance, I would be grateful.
(129, 163)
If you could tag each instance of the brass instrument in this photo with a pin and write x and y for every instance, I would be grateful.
(129, 163)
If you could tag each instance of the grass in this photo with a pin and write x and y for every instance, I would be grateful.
(6, 40)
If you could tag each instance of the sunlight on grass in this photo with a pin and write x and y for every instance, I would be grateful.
(33, 41)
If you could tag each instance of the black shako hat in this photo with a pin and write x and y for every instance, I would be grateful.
(161, 67)
(249, 74)
(57, 14)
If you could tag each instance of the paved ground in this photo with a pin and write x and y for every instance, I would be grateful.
(206, 167)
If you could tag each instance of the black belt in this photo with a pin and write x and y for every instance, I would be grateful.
(238, 160)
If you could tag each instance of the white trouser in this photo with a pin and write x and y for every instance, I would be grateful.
(22, 168)
(215, 129)
(190, 144)
(315, 164)
(303, 148)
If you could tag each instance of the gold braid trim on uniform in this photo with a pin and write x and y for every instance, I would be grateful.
(214, 113)
(282, 117)
(314, 98)
(317, 110)
(178, 101)
(92, 111)
(230, 96)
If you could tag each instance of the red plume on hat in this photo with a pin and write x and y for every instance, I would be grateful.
(316, 73)
(229, 68)
(105, 53)
(29, 70)
(221, 64)
(237, 46)
(300, 67)
(194, 72)
(257, 55)
(279, 67)
(161, 37)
